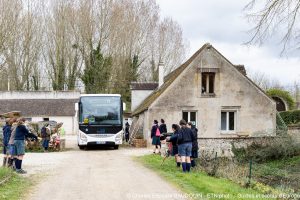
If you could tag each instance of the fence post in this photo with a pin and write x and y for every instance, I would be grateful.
(250, 172)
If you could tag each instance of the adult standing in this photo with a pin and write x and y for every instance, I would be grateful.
(127, 127)
(185, 139)
(194, 144)
(155, 135)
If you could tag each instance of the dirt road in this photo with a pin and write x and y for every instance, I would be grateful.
(96, 175)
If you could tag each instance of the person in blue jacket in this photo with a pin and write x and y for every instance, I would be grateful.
(6, 136)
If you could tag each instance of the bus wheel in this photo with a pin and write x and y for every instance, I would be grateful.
(116, 147)
(81, 147)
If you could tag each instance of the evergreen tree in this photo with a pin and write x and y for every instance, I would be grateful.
(97, 72)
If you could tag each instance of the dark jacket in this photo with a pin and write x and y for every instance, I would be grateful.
(185, 135)
(21, 132)
(153, 130)
(195, 141)
(174, 138)
(6, 134)
(163, 128)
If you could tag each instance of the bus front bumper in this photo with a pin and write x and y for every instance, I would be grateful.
(99, 139)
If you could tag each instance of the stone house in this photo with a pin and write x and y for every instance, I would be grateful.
(43, 106)
(214, 94)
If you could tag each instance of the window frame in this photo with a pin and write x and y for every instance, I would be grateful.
(227, 131)
(189, 116)
(208, 76)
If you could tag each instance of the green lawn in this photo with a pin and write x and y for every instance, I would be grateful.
(196, 182)
(15, 188)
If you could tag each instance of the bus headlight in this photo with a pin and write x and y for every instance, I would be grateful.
(83, 137)
(118, 138)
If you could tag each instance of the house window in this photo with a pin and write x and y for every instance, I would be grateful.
(46, 119)
(228, 121)
(190, 116)
(208, 83)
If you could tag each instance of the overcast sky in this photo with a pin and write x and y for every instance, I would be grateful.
(223, 24)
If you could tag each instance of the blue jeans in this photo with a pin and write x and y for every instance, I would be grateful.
(45, 144)
(185, 149)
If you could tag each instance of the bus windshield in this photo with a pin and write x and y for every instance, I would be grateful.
(105, 110)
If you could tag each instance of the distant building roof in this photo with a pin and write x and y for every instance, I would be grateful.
(39, 107)
(241, 68)
(143, 86)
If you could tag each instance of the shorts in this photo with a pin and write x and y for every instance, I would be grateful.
(156, 140)
(12, 149)
(5, 149)
(174, 150)
(20, 147)
(185, 149)
(194, 154)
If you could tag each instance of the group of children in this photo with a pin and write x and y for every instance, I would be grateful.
(184, 142)
(14, 134)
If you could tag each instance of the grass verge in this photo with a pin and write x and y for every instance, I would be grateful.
(15, 187)
(198, 183)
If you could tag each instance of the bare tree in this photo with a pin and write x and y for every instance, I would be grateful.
(276, 17)
(264, 81)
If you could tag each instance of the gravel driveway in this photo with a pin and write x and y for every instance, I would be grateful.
(95, 174)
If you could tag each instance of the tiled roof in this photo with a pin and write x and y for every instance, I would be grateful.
(143, 86)
(39, 107)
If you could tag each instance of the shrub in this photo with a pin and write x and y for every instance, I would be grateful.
(290, 117)
(285, 95)
(278, 148)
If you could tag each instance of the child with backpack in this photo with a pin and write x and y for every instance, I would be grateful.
(45, 134)
(155, 135)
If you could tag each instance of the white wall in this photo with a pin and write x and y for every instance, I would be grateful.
(137, 96)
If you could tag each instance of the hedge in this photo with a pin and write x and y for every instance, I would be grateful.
(291, 117)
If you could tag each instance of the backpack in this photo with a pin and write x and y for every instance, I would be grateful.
(157, 133)
(44, 132)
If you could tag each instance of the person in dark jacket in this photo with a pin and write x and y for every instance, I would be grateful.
(155, 135)
(185, 139)
(45, 133)
(127, 127)
(173, 139)
(19, 142)
(194, 144)
(6, 136)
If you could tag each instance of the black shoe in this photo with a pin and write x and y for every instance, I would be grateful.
(21, 171)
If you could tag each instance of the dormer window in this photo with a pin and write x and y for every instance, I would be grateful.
(208, 83)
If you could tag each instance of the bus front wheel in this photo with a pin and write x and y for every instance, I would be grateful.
(116, 147)
(81, 147)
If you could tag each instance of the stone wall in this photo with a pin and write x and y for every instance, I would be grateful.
(222, 146)
(294, 131)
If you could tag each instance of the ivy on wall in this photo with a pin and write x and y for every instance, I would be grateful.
(284, 95)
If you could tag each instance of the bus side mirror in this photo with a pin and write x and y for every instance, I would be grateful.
(76, 106)
(124, 106)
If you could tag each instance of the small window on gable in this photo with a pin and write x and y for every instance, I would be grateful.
(208, 83)
(46, 119)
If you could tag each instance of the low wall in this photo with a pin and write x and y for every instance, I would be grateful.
(222, 146)
(294, 132)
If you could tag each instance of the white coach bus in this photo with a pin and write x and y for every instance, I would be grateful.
(100, 118)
